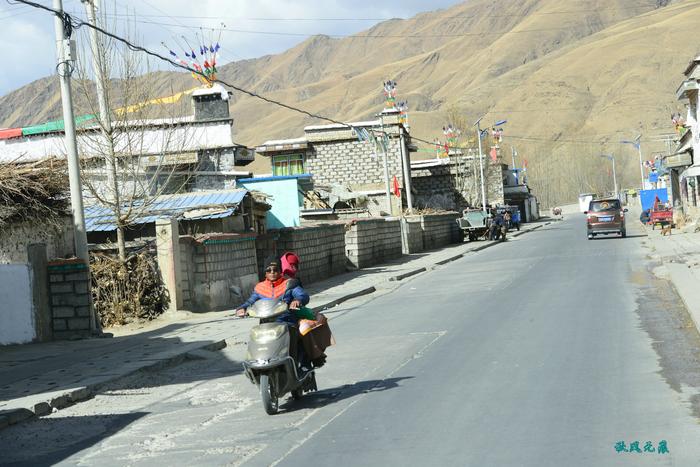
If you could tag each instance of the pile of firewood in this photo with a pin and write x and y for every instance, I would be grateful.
(36, 191)
(129, 291)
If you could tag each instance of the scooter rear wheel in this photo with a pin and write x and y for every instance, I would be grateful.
(268, 395)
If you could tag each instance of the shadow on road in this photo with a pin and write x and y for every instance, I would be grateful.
(24, 445)
(328, 396)
(33, 369)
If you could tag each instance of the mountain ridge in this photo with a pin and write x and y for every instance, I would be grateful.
(558, 73)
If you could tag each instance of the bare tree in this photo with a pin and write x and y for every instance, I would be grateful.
(134, 152)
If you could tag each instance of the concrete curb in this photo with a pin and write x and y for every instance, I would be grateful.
(407, 274)
(683, 282)
(449, 260)
(73, 396)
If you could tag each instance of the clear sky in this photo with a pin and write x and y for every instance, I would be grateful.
(250, 28)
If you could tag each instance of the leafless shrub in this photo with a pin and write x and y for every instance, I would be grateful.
(127, 291)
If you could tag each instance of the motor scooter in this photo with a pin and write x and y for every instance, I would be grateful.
(268, 363)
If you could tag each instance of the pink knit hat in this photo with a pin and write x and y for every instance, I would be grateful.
(290, 264)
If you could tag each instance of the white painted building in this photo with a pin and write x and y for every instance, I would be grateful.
(199, 147)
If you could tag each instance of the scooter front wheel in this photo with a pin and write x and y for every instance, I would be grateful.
(268, 395)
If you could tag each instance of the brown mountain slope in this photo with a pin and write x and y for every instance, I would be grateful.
(583, 70)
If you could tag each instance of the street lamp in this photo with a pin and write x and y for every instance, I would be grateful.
(477, 124)
(612, 158)
(637, 143)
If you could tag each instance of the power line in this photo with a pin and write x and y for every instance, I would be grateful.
(77, 23)
(136, 48)
(278, 19)
(352, 36)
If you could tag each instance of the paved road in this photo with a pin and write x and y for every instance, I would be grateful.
(547, 350)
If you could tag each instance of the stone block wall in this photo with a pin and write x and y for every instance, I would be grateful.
(457, 184)
(211, 265)
(412, 235)
(372, 241)
(420, 233)
(69, 297)
(352, 163)
(440, 230)
(321, 249)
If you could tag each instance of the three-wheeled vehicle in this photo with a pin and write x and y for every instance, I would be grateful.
(473, 223)
(660, 214)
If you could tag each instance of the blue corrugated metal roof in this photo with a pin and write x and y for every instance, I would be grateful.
(101, 219)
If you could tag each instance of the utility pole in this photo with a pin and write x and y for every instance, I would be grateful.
(617, 193)
(64, 69)
(641, 164)
(386, 166)
(406, 158)
(481, 165)
(512, 155)
(99, 63)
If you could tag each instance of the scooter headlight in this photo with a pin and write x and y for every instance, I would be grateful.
(267, 334)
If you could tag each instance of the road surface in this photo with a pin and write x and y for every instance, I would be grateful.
(547, 350)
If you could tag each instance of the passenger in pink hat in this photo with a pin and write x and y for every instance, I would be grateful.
(290, 265)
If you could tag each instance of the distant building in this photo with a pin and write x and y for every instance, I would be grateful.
(195, 152)
(346, 170)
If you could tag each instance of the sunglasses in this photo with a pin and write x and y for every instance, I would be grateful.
(272, 270)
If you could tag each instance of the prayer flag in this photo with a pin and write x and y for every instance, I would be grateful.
(395, 187)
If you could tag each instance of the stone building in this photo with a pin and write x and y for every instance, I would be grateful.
(347, 172)
(455, 183)
(346, 169)
(683, 168)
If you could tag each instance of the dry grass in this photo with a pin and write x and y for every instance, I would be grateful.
(33, 191)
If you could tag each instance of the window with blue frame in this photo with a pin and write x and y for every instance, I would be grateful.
(288, 164)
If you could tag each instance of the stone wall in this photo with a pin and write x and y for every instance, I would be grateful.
(69, 291)
(420, 233)
(372, 241)
(440, 230)
(211, 265)
(456, 184)
(320, 248)
(412, 235)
